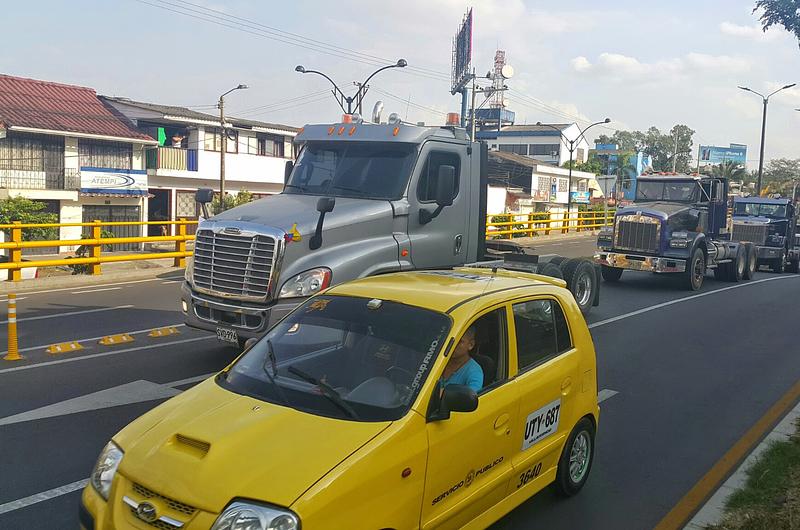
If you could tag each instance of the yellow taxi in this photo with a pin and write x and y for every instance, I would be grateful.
(431, 399)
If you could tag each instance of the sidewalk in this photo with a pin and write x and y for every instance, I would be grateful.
(555, 235)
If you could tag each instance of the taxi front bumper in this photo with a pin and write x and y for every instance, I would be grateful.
(640, 263)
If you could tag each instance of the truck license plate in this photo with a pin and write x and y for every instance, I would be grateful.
(227, 335)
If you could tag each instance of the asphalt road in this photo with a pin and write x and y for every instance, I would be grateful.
(692, 372)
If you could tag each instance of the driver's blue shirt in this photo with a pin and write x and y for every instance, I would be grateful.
(471, 375)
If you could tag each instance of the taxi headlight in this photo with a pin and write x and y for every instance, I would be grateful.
(306, 283)
(105, 469)
(249, 516)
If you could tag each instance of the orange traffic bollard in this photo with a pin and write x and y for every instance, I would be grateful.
(13, 346)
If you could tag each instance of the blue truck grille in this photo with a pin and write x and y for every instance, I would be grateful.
(233, 265)
(756, 233)
(637, 233)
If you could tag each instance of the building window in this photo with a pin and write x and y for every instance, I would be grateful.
(518, 149)
(104, 154)
(579, 158)
(212, 141)
(544, 150)
(562, 185)
(185, 205)
(583, 185)
(24, 152)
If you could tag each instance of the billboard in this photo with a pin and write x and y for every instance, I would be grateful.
(115, 181)
(462, 54)
(581, 197)
(713, 155)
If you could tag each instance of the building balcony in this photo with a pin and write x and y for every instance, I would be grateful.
(171, 158)
(23, 179)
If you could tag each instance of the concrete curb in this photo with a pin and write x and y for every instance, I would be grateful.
(713, 510)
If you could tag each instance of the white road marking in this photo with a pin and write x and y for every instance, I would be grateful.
(97, 290)
(43, 496)
(72, 313)
(603, 395)
(104, 354)
(17, 299)
(686, 299)
(92, 339)
(132, 282)
(189, 380)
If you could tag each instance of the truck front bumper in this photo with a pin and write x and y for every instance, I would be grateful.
(636, 262)
(202, 311)
(765, 253)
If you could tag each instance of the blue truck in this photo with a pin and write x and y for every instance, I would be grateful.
(771, 225)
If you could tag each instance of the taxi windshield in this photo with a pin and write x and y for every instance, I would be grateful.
(345, 357)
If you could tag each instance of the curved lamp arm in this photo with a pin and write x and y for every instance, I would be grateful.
(336, 89)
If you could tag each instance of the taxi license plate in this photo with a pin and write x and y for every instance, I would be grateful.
(228, 335)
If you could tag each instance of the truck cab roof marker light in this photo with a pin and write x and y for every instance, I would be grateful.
(395, 131)
(331, 129)
(341, 130)
(351, 131)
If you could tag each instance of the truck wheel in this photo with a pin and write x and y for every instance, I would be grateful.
(580, 277)
(793, 267)
(548, 269)
(558, 260)
(738, 265)
(752, 261)
(576, 459)
(696, 270)
(611, 274)
(777, 263)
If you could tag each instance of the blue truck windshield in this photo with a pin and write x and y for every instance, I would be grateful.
(353, 169)
(672, 191)
(776, 211)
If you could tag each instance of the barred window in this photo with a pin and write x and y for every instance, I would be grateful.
(562, 185)
(544, 183)
(27, 152)
(105, 154)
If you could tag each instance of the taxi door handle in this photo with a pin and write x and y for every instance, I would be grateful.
(501, 421)
(566, 386)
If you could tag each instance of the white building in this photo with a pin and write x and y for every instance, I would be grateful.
(548, 143)
(187, 156)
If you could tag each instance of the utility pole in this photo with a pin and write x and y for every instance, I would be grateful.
(472, 112)
(675, 156)
(223, 136)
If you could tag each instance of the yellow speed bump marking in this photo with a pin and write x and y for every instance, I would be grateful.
(163, 332)
(695, 497)
(63, 347)
(115, 339)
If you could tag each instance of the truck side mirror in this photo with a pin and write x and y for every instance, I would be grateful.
(287, 171)
(204, 195)
(455, 398)
(445, 185)
(324, 205)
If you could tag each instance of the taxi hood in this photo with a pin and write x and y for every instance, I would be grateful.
(209, 445)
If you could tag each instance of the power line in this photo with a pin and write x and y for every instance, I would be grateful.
(407, 102)
(283, 102)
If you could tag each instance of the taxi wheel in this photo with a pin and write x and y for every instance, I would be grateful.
(576, 459)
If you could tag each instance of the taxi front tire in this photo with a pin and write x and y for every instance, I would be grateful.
(576, 459)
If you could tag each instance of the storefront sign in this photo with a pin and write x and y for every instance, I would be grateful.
(580, 197)
(116, 181)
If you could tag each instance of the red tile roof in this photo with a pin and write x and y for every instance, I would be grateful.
(54, 106)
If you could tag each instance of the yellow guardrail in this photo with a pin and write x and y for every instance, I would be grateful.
(94, 245)
(532, 224)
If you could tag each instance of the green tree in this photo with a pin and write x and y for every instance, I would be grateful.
(592, 165)
(784, 13)
(780, 174)
(624, 140)
(231, 201)
(28, 212)
(730, 170)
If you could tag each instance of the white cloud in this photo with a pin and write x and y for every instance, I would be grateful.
(626, 68)
(580, 64)
(750, 32)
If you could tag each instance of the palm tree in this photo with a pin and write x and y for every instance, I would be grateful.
(730, 170)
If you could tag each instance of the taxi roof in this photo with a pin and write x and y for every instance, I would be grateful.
(443, 290)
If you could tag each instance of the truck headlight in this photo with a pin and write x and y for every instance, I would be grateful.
(249, 516)
(679, 239)
(606, 235)
(105, 469)
(189, 272)
(306, 283)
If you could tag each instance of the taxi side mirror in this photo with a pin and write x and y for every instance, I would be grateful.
(455, 398)
(249, 343)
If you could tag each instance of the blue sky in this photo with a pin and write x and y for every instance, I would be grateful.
(641, 65)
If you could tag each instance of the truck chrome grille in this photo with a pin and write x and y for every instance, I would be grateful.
(637, 232)
(234, 265)
(756, 233)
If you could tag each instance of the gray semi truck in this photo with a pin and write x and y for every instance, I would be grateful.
(677, 224)
(771, 225)
(362, 199)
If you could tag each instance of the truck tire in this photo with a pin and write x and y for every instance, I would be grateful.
(793, 267)
(695, 270)
(611, 274)
(576, 459)
(581, 282)
(558, 260)
(548, 269)
(752, 261)
(738, 265)
(777, 263)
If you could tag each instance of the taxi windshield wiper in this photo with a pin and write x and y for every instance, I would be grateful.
(270, 357)
(327, 391)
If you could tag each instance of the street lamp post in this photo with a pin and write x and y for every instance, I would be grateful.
(362, 87)
(571, 151)
(763, 129)
(224, 145)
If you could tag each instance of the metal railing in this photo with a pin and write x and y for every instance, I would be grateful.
(49, 179)
(503, 226)
(93, 245)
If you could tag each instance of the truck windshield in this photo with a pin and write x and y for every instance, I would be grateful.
(344, 357)
(353, 169)
(673, 191)
(777, 211)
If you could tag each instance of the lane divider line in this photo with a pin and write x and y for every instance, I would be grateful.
(43, 496)
(605, 394)
(72, 313)
(92, 339)
(63, 347)
(104, 354)
(97, 290)
(686, 299)
(119, 338)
